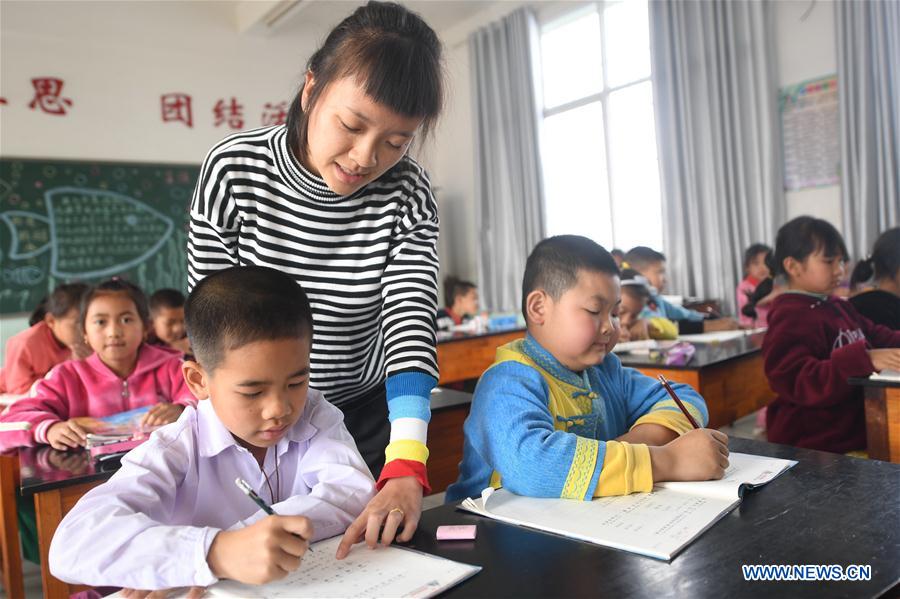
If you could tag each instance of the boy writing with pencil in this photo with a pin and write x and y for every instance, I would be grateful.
(558, 416)
(172, 515)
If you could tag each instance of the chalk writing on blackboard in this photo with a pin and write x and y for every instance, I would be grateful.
(88, 232)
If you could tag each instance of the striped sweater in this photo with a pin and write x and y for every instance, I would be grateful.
(368, 263)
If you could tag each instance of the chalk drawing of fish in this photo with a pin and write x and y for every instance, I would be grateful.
(88, 232)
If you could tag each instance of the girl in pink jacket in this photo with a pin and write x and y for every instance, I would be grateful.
(122, 374)
(51, 340)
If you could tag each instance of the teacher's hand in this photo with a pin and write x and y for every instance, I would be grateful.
(398, 505)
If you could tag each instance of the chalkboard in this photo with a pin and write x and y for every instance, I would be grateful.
(65, 221)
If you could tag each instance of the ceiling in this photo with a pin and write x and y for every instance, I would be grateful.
(317, 17)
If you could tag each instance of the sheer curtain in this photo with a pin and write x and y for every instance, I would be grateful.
(869, 102)
(508, 189)
(715, 95)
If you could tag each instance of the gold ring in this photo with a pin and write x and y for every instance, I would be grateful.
(396, 509)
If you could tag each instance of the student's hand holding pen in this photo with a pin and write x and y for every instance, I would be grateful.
(700, 454)
(267, 550)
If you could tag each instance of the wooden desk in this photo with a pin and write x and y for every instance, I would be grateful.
(56, 480)
(13, 585)
(828, 509)
(449, 409)
(463, 357)
(882, 418)
(729, 375)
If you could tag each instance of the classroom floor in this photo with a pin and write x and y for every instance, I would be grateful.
(745, 427)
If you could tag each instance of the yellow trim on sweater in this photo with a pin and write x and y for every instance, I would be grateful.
(582, 469)
(406, 449)
(629, 465)
(626, 469)
(662, 328)
(671, 418)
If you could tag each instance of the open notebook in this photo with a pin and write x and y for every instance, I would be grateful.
(886, 375)
(658, 524)
(385, 572)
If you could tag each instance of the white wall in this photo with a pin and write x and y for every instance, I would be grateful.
(116, 59)
(807, 50)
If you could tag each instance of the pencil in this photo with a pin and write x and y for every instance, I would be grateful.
(248, 490)
(680, 405)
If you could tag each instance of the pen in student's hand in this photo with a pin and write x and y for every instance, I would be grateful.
(678, 402)
(248, 490)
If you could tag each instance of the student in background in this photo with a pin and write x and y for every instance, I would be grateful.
(756, 271)
(816, 341)
(172, 515)
(619, 256)
(122, 374)
(167, 320)
(558, 416)
(461, 301)
(652, 265)
(334, 198)
(635, 295)
(54, 338)
(881, 304)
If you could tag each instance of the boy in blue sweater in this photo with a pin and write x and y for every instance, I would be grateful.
(557, 415)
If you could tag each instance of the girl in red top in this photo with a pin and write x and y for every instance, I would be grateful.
(816, 342)
(51, 340)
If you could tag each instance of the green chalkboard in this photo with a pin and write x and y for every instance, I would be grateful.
(65, 221)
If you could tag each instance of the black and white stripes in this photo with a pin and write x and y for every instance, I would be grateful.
(368, 262)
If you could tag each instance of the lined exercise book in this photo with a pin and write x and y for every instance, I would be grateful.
(658, 524)
(385, 572)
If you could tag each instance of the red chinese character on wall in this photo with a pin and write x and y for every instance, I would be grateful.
(231, 113)
(177, 107)
(274, 114)
(47, 92)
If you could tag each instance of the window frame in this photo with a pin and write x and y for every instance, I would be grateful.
(555, 16)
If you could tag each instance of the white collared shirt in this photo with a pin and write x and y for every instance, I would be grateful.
(151, 525)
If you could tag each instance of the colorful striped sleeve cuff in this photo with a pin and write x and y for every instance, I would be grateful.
(408, 398)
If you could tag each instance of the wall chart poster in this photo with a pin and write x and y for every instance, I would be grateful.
(811, 134)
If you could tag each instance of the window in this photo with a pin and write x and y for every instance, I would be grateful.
(598, 138)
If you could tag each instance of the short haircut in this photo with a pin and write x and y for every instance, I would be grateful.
(453, 288)
(641, 257)
(806, 235)
(243, 304)
(63, 299)
(554, 264)
(114, 286)
(617, 253)
(165, 298)
(635, 285)
(753, 251)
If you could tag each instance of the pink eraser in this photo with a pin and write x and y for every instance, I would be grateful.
(459, 532)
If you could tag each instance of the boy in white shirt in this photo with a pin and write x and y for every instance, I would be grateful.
(172, 516)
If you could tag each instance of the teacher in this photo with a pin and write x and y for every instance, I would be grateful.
(333, 199)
